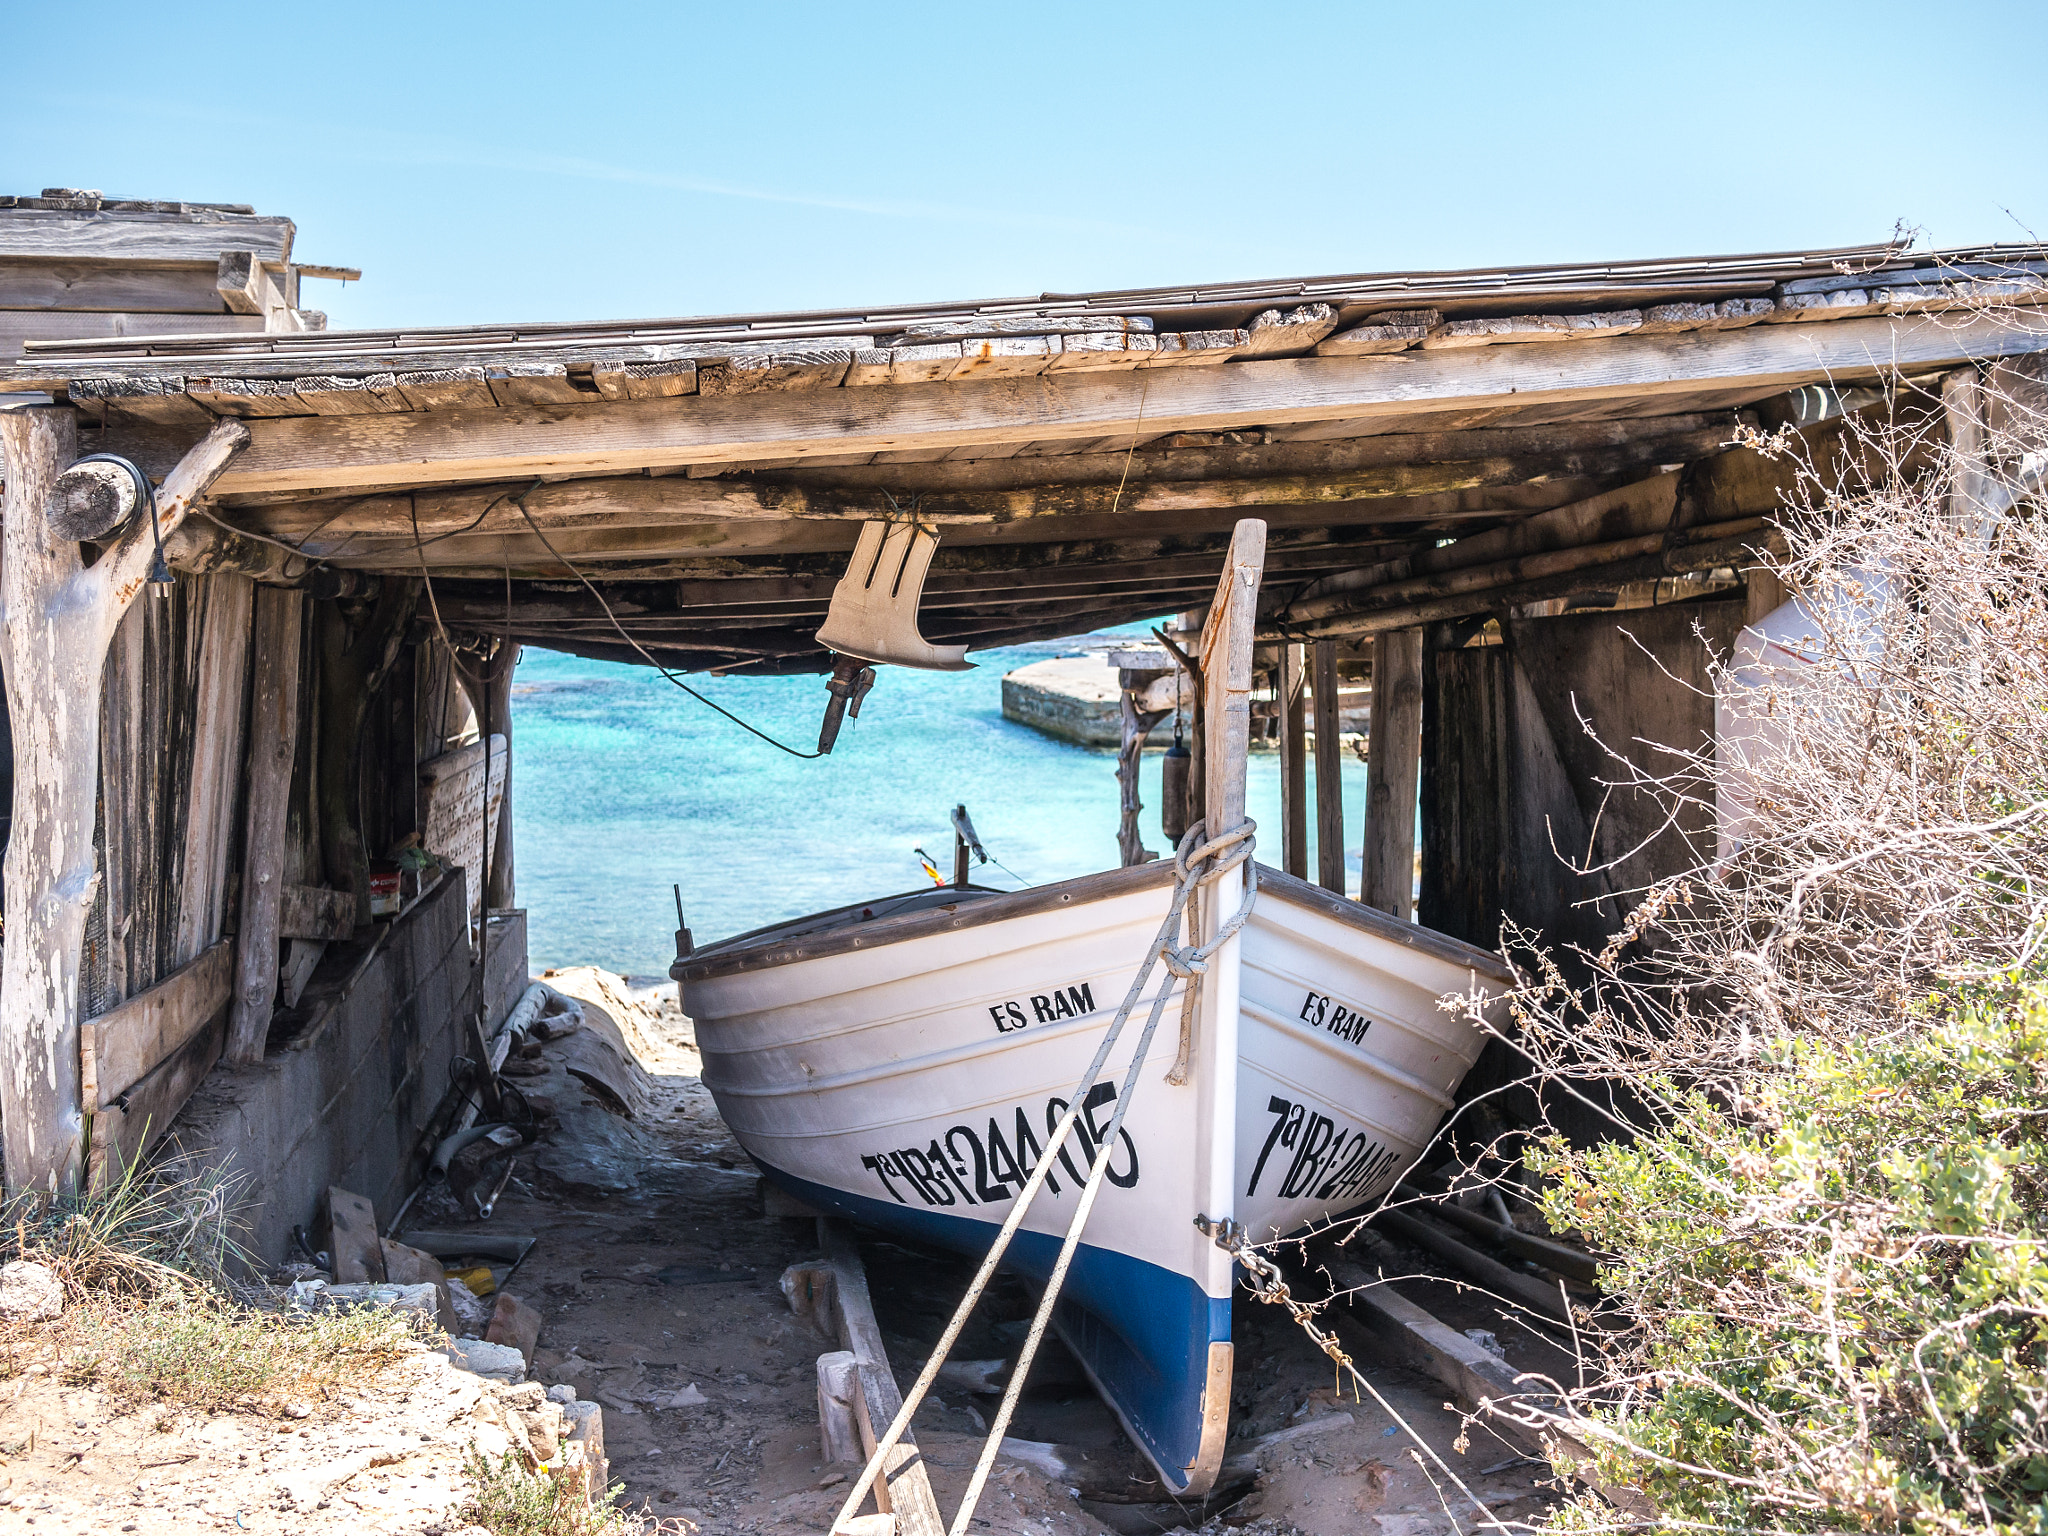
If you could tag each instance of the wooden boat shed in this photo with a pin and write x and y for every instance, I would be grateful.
(1513, 498)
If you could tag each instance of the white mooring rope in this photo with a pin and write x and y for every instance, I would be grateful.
(1196, 863)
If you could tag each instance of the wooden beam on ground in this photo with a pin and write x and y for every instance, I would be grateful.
(1393, 762)
(903, 1487)
(273, 740)
(1292, 690)
(558, 440)
(1329, 770)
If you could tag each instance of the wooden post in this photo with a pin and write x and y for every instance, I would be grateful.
(1226, 661)
(1393, 761)
(497, 708)
(1329, 772)
(273, 740)
(1293, 759)
(58, 615)
(1137, 725)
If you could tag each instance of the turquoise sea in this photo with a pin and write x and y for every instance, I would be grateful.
(624, 786)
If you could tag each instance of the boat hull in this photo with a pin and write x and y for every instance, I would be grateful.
(905, 1072)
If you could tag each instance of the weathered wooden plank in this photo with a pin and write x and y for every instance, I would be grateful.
(1390, 331)
(121, 1046)
(752, 373)
(314, 912)
(536, 384)
(96, 285)
(1003, 357)
(984, 326)
(1094, 351)
(594, 439)
(902, 1487)
(445, 389)
(123, 1132)
(137, 238)
(452, 816)
(1176, 348)
(373, 394)
(214, 782)
(150, 397)
(617, 380)
(273, 744)
(20, 327)
(1276, 333)
(248, 397)
(1393, 761)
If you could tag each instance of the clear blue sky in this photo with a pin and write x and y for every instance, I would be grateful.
(526, 162)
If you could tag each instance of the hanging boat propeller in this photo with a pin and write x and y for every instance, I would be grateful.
(873, 618)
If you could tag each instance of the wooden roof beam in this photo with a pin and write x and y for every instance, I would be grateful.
(473, 445)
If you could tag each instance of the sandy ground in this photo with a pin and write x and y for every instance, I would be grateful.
(656, 1271)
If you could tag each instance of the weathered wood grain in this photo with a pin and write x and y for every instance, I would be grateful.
(902, 1487)
(273, 742)
(213, 788)
(137, 238)
(99, 285)
(1393, 760)
(125, 1044)
(593, 439)
(1329, 770)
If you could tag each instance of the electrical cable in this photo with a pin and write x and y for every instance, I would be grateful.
(623, 635)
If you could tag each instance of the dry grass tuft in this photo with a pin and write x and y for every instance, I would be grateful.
(510, 1499)
(206, 1352)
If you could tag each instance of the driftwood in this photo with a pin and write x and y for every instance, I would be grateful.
(60, 616)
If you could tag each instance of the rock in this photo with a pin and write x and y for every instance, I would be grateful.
(422, 1301)
(686, 1397)
(497, 1362)
(30, 1292)
(563, 1394)
(585, 1450)
(586, 1426)
(513, 1322)
(472, 1312)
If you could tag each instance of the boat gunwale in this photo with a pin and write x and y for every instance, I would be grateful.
(736, 956)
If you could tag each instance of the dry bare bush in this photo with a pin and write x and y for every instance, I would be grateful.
(1828, 1212)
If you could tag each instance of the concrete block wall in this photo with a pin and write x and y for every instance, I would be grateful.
(346, 1102)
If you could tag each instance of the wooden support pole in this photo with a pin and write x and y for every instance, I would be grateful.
(58, 616)
(1329, 772)
(496, 679)
(1137, 725)
(1393, 762)
(1293, 759)
(273, 736)
(1208, 1061)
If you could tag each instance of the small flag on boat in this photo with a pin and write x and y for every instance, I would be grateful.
(929, 867)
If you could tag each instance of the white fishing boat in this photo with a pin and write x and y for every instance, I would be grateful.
(906, 1061)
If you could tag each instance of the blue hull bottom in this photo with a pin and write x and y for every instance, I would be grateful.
(1142, 1332)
